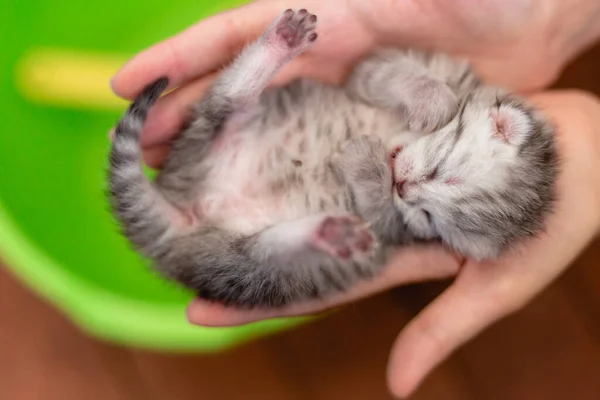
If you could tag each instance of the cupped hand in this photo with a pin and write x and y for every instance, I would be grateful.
(498, 36)
(482, 293)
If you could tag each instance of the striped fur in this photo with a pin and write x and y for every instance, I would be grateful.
(276, 196)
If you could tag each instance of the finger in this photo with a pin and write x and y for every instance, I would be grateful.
(154, 157)
(168, 116)
(415, 264)
(454, 317)
(198, 50)
(486, 293)
(165, 119)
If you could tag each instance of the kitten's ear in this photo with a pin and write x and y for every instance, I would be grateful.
(511, 124)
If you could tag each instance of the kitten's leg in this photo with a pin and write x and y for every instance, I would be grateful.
(365, 164)
(237, 88)
(292, 261)
(427, 86)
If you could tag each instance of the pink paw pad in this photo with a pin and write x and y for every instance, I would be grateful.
(296, 28)
(343, 236)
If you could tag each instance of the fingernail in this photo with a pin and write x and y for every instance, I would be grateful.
(112, 85)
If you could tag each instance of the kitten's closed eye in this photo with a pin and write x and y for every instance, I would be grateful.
(432, 175)
(428, 215)
(403, 185)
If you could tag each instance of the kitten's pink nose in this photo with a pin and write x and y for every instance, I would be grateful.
(400, 187)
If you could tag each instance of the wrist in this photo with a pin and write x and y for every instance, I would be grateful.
(520, 44)
(571, 27)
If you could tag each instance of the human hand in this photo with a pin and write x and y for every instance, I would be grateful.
(482, 293)
(498, 37)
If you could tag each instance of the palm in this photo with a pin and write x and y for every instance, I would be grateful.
(504, 56)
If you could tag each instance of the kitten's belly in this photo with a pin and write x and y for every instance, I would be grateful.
(240, 211)
(250, 184)
(236, 194)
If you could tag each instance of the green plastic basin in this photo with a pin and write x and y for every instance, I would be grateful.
(56, 233)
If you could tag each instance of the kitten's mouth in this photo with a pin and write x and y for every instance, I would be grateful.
(397, 185)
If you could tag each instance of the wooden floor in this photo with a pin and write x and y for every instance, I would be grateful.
(548, 351)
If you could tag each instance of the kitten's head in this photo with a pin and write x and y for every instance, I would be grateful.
(487, 178)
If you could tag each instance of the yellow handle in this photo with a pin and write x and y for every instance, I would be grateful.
(69, 78)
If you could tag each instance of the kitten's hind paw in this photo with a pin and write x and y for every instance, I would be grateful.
(293, 31)
(344, 237)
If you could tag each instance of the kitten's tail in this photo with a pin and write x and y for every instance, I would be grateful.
(145, 216)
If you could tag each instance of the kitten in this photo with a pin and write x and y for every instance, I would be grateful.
(273, 196)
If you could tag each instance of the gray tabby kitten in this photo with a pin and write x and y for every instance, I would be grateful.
(273, 196)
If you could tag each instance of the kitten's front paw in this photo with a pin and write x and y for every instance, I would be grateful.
(433, 105)
(364, 159)
(345, 237)
(293, 31)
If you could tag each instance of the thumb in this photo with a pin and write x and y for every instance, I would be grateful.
(456, 316)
